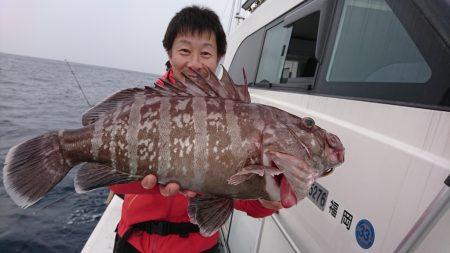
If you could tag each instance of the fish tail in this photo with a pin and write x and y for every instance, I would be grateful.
(33, 168)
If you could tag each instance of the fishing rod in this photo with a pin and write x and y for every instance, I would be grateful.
(79, 85)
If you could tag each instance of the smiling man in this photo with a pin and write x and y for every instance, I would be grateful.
(155, 218)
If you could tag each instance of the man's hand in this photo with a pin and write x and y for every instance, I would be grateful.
(168, 190)
(171, 189)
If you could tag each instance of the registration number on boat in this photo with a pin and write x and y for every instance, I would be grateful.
(318, 195)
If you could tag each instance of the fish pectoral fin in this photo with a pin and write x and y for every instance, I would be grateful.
(209, 212)
(249, 171)
(95, 175)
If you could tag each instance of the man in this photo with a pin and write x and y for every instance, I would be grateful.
(194, 40)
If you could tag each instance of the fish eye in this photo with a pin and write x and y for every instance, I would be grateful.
(308, 122)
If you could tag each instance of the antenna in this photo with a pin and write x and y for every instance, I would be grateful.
(230, 21)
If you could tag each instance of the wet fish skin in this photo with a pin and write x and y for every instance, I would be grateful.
(209, 139)
(195, 138)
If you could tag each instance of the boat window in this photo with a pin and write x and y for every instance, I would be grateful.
(385, 51)
(247, 57)
(288, 56)
(372, 46)
(271, 65)
(300, 59)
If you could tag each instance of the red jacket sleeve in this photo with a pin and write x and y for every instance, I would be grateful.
(253, 208)
(133, 188)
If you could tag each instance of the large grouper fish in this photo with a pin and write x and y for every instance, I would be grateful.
(202, 133)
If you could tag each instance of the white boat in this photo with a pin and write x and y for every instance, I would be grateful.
(375, 73)
(102, 238)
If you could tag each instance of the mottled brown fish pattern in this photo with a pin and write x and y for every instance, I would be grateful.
(203, 134)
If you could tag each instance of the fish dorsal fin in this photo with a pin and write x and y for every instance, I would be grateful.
(242, 90)
(224, 88)
(228, 85)
(199, 86)
(111, 102)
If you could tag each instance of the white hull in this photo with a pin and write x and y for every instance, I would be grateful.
(102, 238)
(397, 159)
(390, 176)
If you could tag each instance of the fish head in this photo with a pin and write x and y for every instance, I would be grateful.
(302, 152)
(324, 150)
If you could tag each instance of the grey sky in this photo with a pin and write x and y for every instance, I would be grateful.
(123, 34)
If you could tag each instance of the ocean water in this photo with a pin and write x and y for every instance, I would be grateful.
(36, 96)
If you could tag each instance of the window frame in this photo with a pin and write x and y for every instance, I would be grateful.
(432, 45)
(424, 95)
(326, 9)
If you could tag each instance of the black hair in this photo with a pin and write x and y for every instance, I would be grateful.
(195, 19)
(168, 65)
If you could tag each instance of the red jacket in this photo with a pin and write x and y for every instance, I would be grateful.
(168, 76)
(142, 205)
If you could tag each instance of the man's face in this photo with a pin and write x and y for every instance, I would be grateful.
(195, 51)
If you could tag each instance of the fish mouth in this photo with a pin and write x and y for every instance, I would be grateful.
(285, 192)
(293, 177)
(288, 197)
